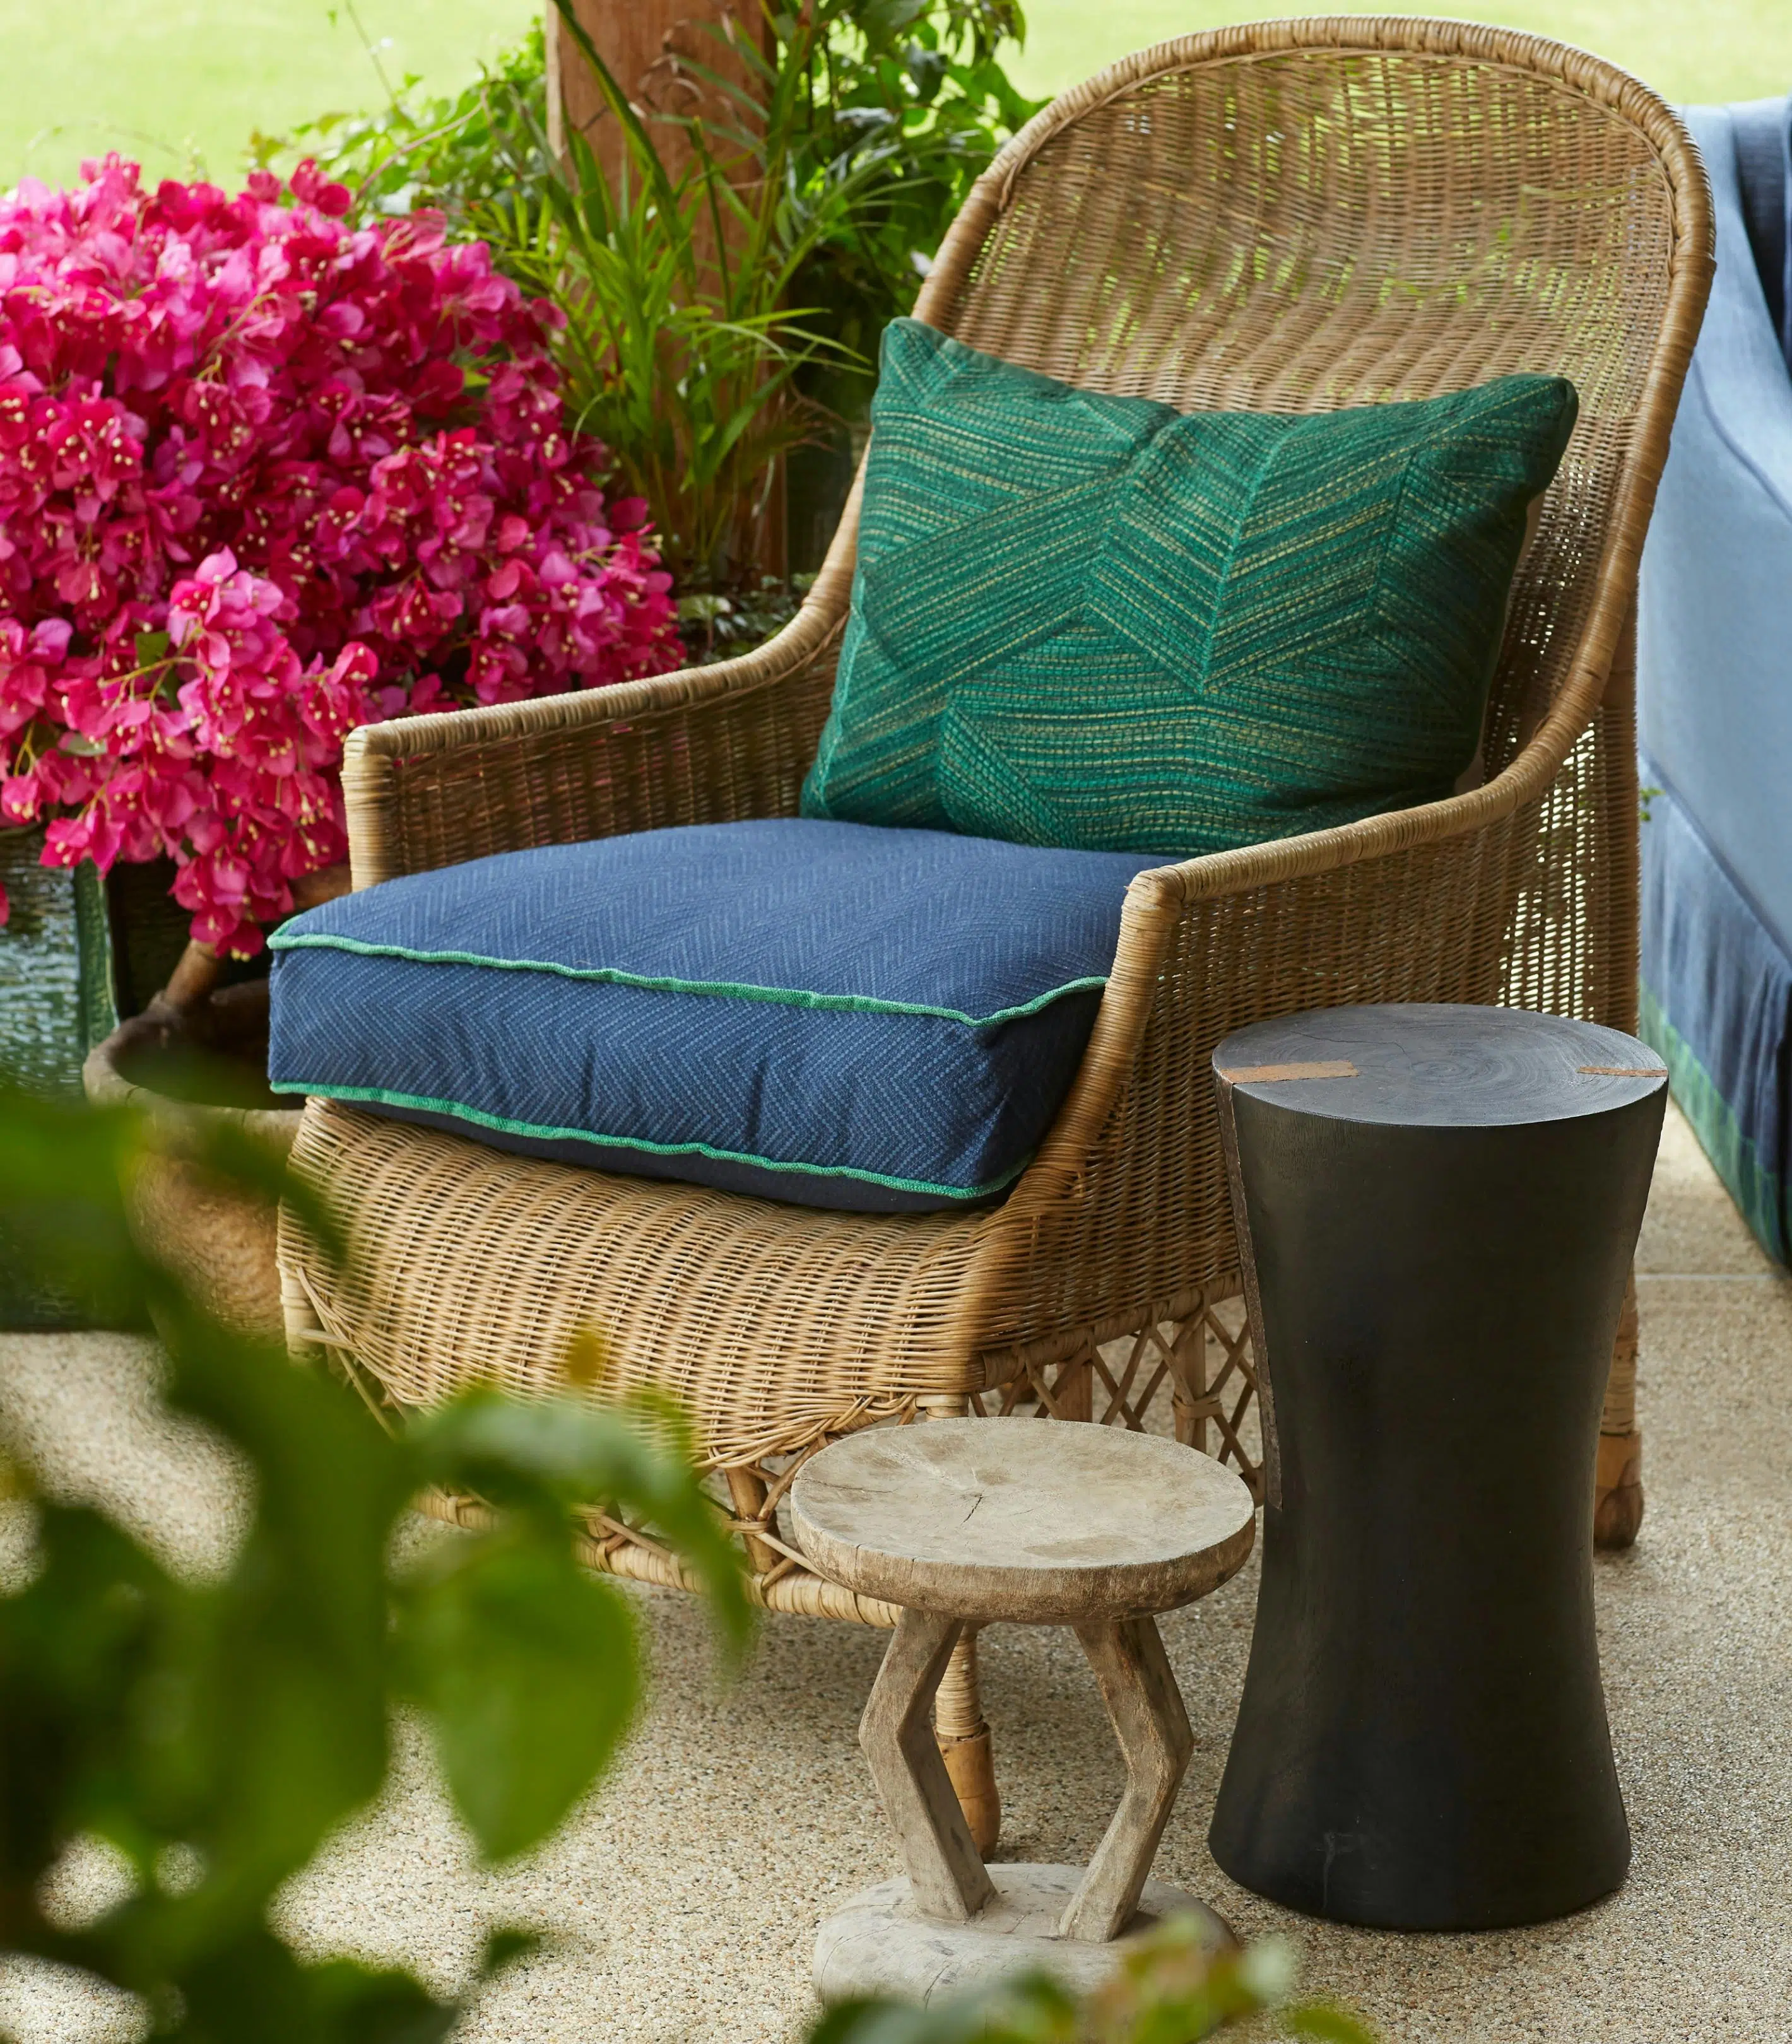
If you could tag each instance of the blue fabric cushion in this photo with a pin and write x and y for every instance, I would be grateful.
(1762, 130)
(1714, 602)
(1716, 1003)
(830, 1013)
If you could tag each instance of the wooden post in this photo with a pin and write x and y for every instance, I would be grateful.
(650, 47)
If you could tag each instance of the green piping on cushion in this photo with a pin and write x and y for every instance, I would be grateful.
(863, 1004)
(1759, 1196)
(508, 1128)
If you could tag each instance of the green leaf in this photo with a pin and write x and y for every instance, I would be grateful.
(152, 647)
(1032, 2009)
(255, 1991)
(71, 1644)
(1331, 2024)
(62, 1168)
(869, 2022)
(221, 1730)
(263, 1717)
(637, 1456)
(526, 1665)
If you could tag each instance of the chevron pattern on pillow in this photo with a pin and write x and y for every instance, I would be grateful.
(1097, 622)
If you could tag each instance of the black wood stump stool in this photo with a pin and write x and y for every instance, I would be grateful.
(1436, 1209)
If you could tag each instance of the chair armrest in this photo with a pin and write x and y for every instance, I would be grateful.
(1506, 894)
(703, 745)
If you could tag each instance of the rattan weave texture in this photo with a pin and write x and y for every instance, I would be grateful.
(1289, 215)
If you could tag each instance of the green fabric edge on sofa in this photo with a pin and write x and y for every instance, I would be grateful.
(1759, 1194)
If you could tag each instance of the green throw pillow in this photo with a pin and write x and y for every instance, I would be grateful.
(1099, 622)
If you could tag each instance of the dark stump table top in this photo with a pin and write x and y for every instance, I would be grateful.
(1438, 1065)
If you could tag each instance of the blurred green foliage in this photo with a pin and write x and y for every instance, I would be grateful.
(213, 1733)
(1168, 1989)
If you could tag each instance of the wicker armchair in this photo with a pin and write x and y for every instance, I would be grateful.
(1289, 215)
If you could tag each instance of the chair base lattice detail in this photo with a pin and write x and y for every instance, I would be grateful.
(1192, 1376)
(1202, 1359)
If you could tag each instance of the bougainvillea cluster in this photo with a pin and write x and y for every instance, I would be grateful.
(265, 476)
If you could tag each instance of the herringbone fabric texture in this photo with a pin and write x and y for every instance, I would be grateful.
(814, 1011)
(1094, 621)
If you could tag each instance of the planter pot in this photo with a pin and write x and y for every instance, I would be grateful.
(77, 954)
(56, 1001)
(818, 481)
(219, 1238)
(83, 961)
(56, 997)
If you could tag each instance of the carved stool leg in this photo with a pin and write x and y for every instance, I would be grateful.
(958, 1710)
(945, 1870)
(964, 1743)
(1146, 1709)
(1617, 1485)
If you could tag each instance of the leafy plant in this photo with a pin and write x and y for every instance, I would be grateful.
(1168, 1989)
(725, 293)
(715, 627)
(213, 1733)
(917, 91)
(682, 343)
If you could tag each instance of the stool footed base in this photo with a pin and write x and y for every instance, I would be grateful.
(879, 1943)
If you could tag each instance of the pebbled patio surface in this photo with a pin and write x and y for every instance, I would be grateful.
(681, 1903)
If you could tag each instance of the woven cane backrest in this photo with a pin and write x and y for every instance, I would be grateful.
(1221, 225)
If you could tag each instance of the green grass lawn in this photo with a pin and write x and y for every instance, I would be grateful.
(184, 82)
(1687, 49)
(178, 83)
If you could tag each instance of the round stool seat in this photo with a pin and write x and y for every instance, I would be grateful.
(964, 1523)
(1023, 1520)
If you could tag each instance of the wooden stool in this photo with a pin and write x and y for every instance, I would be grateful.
(1437, 1208)
(968, 1522)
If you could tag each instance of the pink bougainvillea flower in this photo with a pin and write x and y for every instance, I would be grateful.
(266, 475)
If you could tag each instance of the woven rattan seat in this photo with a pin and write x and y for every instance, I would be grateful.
(1288, 216)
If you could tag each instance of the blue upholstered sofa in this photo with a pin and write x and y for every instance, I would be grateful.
(1714, 677)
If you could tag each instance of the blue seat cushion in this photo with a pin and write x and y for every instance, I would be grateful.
(830, 1013)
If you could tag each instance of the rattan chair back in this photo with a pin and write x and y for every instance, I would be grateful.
(1297, 216)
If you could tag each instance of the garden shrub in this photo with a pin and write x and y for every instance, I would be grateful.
(266, 474)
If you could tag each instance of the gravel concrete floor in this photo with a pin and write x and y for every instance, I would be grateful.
(681, 1903)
